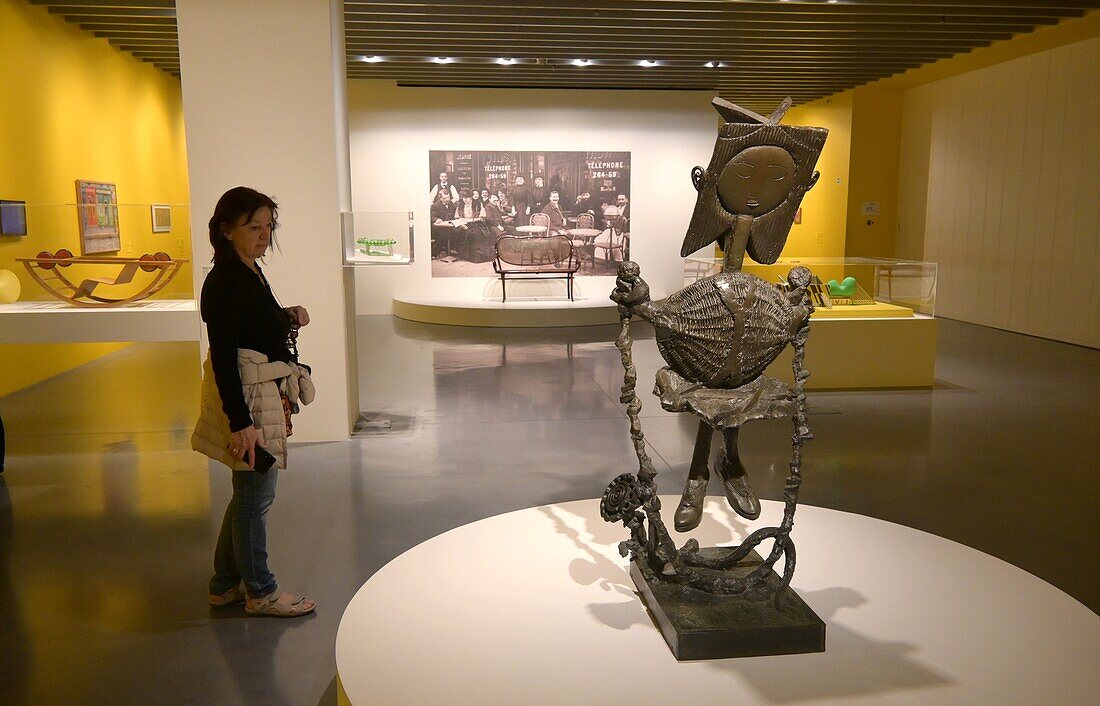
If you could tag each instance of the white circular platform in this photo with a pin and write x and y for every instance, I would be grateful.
(536, 607)
(516, 312)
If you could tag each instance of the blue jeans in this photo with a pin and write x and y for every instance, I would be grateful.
(241, 553)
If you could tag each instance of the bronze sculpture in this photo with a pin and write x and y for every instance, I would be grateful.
(718, 335)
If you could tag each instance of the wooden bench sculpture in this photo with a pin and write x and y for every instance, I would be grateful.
(535, 257)
(46, 269)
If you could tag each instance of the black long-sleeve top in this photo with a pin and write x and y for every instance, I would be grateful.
(240, 311)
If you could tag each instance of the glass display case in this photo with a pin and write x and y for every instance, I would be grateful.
(373, 238)
(95, 252)
(851, 285)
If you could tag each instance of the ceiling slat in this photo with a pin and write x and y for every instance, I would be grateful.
(804, 48)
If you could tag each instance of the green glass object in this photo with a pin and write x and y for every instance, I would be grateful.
(380, 247)
(842, 289)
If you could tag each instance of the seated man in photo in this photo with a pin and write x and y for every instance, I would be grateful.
(494, 218)
(557, 217)
(443, 210)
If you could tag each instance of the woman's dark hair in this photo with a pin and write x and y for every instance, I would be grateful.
(238, 203)
(464, 193)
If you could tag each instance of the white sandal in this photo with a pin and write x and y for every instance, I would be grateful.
(279, 604)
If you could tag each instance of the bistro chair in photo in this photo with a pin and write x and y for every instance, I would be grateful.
(582, 242)
(540, 220)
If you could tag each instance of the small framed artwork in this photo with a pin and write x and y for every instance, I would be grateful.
(97, 213)
(13, 217)
(161, 215)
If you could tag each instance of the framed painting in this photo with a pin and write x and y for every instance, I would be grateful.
(13, 217)
(97, 213)
(161, 215)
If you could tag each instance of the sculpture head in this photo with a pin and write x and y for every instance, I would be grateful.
(759, 169)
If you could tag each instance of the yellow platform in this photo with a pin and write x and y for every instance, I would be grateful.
(858, 353)
(864, 311)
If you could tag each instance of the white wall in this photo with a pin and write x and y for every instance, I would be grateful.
(258, 115)
(1001, 164)
(393, 129)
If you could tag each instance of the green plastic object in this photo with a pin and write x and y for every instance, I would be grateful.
(842, 289)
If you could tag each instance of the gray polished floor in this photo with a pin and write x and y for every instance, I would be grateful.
(107, 520)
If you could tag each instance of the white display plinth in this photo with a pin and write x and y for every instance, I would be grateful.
(518, 311)
(536, 607)
(57, 322)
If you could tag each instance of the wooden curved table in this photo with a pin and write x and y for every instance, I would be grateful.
(46, 271)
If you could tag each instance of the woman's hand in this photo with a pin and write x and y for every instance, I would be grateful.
(242, 444)
(298, 315)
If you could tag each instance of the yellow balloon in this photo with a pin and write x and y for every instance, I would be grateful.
(9, 287)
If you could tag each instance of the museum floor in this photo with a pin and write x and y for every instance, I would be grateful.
(107, 519)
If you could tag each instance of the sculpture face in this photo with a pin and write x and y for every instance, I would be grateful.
(760, 170)
(756, 180)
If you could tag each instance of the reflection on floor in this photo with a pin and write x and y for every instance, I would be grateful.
(107, 520)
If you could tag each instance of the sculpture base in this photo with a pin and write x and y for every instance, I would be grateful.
(698, 625)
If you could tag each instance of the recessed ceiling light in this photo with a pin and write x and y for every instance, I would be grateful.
(709, 64)
(442, 59)
(581, 62)
(505, 61)
(647, 62)
(371, 59)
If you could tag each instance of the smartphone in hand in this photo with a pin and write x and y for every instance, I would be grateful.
(263, 460)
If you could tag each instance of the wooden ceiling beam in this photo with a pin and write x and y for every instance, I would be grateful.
(787, 65)
(73, 5)
(786, 11)
(108, 34)
(691, 6)
(536, 37)
(120, 20)
(462, 26)
(704, 54)
(96, 11)
(124, 28)
(582, 48)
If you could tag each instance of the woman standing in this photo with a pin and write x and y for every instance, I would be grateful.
(251, 383)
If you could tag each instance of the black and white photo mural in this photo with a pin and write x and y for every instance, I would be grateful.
(478, 196)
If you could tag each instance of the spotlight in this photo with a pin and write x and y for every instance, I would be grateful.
(506, 62)
(647, 62)
(581, 62)
(442, 59)
(371, 59)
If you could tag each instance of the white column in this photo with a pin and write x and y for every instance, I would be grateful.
(265, 106)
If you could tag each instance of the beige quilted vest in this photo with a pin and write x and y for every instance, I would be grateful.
(262, 381)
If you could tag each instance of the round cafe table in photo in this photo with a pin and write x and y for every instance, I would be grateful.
(588, 237)
(536, 607)
(531, 230)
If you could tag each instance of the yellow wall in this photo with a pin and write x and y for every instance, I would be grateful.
(890, 155)
(25, 365)
(824, 210)
(76, 108)
(876, 128)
